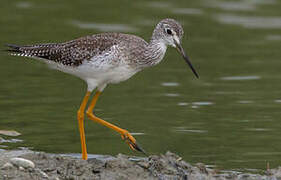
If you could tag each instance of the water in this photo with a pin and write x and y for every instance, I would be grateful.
(229, 118)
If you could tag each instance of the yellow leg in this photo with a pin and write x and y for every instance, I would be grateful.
(80, 117)
(130, 140)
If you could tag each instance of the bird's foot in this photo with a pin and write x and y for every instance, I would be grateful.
(131, 141)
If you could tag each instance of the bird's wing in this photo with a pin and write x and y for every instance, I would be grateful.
(71, 53)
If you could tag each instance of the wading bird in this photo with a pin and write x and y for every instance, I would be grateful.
(106, 58)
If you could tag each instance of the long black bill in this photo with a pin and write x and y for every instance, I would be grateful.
(180, 49)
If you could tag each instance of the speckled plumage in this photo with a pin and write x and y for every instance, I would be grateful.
(99, 58)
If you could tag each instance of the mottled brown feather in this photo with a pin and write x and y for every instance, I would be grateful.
(73, 53)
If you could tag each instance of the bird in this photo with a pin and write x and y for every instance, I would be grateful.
(106, 58)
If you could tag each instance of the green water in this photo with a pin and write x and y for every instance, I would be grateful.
(230, 117)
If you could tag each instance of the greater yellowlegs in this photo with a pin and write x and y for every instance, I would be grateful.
(106, 58)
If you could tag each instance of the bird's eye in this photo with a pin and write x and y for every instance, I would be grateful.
(168, 31)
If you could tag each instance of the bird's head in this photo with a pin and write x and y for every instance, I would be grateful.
(170, 32)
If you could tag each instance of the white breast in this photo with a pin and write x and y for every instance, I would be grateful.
(101, 69)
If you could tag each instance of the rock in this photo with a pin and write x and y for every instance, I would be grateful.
(7, 166)
(9, 133)
(155, 167)
(43, 174)
(21, 162)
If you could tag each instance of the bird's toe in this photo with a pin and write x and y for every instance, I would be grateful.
(131, 141)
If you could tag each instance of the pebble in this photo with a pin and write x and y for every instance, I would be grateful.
(43, 174)
(21, 162)
(7, 166)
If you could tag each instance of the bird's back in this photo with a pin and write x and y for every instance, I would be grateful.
(75, 52)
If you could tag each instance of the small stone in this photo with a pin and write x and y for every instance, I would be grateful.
(21, 162)
(21, 168)
(144, 164)
(43, 174)
(7, 166)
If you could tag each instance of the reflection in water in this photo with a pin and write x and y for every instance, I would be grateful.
(244, 121)
(188, 11)
(170, 84)
(242, 5)
(261, 153)
(257, 129)
(250, 21)
(233, 5)
(191, 130)
(171, 94)
(105, 27)
(202, 103)
(184, 129)
(245, 102)
(194, 106)
(241, 78)
(183, 104)
(137, 134)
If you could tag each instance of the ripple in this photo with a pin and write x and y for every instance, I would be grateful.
(277, 100)
(105, 27)
(203, 103)
(183, 103)
(244, 121)
(231, 78)
(194, 107)
(250, 21)
(258, 129)
(172, 95)
(261, 153)
(183, 129)
(188, 11)
(234, 5)
(137, 134)
(245, 102)
(242, 5)
(192, 131)
(170, 84)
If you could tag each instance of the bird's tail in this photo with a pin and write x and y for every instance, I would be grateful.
(13, 48)
(37, 50)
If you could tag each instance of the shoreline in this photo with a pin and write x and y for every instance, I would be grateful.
(27, 164)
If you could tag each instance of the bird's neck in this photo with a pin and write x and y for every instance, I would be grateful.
(154, 52)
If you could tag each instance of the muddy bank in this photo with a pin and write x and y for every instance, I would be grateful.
(25, 164)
